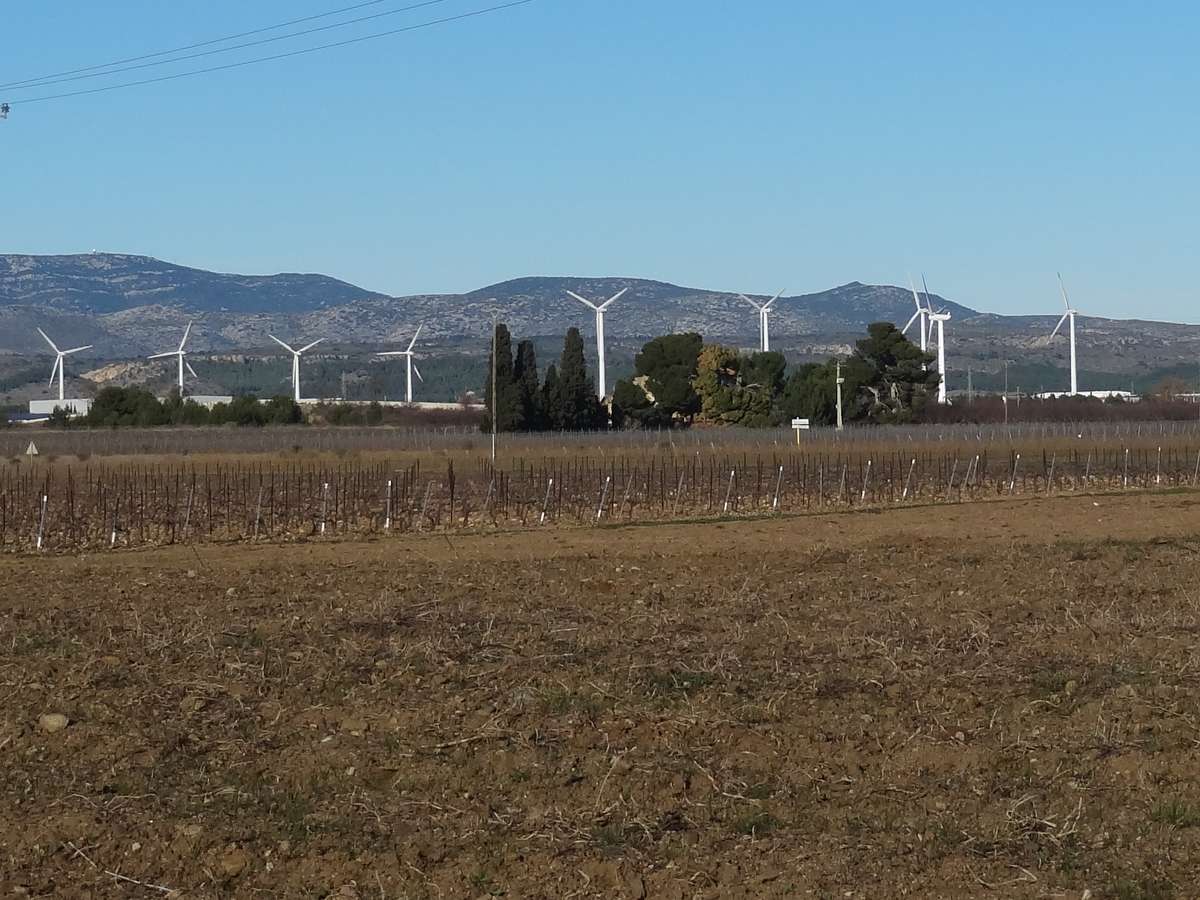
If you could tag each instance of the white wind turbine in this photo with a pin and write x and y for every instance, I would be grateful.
(295, 362)
(764, 328)
(58, 363)
(601, 384)
(180, 353)
(412, 366)
(939, 319)
(1069, 315)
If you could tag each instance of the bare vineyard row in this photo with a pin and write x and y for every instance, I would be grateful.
(98, 506)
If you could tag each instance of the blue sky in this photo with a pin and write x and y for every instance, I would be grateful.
(747, 146)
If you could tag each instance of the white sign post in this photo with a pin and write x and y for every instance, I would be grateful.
(799, 425)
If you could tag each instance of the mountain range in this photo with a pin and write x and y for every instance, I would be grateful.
(129, 306)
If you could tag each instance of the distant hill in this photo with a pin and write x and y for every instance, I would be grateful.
(129, 306)
(125, 304)
(102, 283)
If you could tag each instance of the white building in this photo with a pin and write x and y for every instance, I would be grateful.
(1095, 395)
(76, 407)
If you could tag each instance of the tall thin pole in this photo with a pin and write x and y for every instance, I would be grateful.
(942, 360)
(840, 382)
(600, 380)
(1074, 371)
(494, 327)
(1006, 392)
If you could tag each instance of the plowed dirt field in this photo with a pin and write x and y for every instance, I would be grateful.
(994, 700)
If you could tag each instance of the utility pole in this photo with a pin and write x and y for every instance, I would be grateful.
(970, 388)
(495, 325)
(840, 381)
(1006, 392)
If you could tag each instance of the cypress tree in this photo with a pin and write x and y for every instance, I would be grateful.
(551, 404)
(581, 410)
(508, 407)
(525, 374)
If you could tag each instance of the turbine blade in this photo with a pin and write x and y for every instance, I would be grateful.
(413, 342)
(281, 343)
(163, 355)
(417, 371)
(76, 350)
(1054, 333)
(48, 341)
(186, 332)
(1062, 287)
(308, 347)
(767, 305)
(581, 300)
(925, 286)
(753, 303)
(54, 371)
(393, 353)
(915, 315)
(614, 298)
(190, 369)
(916, 298)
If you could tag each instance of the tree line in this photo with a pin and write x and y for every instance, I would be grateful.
(679, 380)
(128, 407)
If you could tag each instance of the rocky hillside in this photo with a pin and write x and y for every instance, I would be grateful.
(130, 306)
(105, 283)
(134, 304)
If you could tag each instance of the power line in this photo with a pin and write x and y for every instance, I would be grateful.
(209, 43)
(249, 62)
(203, 53)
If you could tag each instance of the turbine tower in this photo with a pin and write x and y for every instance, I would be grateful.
(412, 366)
(180, 353)
(296, 354)
(764, 328)
(601, 384)
(922, 313)
(1069, 315)
(940, 319)
(58, 363)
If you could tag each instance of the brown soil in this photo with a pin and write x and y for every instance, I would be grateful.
(994, 700)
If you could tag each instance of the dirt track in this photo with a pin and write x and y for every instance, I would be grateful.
(987, 700)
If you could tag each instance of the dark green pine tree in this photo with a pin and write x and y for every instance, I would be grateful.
(551, 405)
(508, 406)
(580, 409)
(525, 374)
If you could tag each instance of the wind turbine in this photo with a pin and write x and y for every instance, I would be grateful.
(939, 319)
(1069, 315)
(601, 385)
(58, 362)
(764, 328)
(180, 354)
(295, 362)
(412, 366)
(922, 313)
